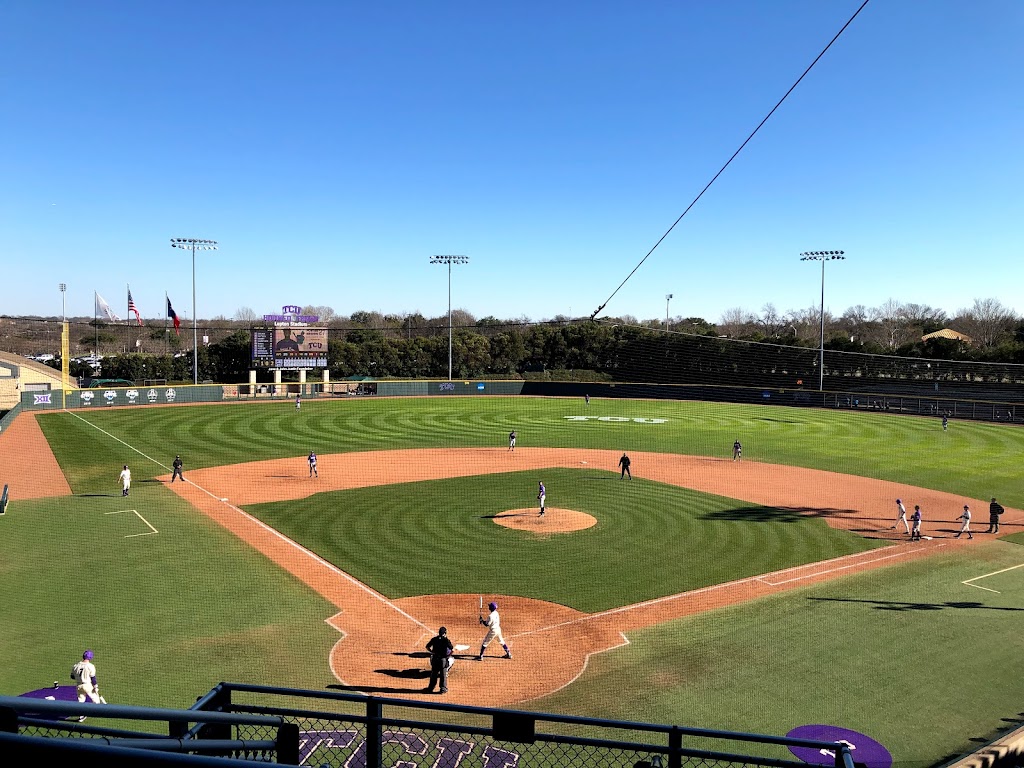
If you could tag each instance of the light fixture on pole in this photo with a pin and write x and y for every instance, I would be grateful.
(63, 289)
(668, 298)
(449, 260)
(822, 256)
(193, 244)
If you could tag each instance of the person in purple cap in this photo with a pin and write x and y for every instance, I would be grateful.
(84, 674)
(915, 531)
(493, 624)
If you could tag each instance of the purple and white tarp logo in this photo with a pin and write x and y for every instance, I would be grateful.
(865, 750)
(446, 386)
(42, 399)
(349, 746)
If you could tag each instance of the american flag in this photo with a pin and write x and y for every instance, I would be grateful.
(132, 307)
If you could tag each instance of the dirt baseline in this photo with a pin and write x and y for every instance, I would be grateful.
(381, 650)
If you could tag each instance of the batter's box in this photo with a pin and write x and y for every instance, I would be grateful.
(151, 530)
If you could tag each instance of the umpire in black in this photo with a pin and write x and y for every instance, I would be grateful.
(995, 509)
(177, 469)
(441, 649)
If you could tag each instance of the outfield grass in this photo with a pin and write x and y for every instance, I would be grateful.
(907, 653)
(651, 539)
(977, 460)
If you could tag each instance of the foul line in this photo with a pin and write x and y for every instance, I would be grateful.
(151, 530)
(994, 573)
(315, 557)
(760, 579)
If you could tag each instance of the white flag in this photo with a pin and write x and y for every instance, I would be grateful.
(102, 308)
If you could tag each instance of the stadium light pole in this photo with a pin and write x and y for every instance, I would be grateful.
(63, 313)
(668, 298)
(822, 256)
(449, 260)
(194, 244)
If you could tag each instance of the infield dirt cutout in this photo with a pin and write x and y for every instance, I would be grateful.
(381, 650)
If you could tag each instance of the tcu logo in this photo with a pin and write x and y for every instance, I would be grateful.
(615, 418)
(42, 399)
(291, 310)
(110, 395)
(87, 398)
(446, 387)
(170, 394)
(132, 395)
(152, 395)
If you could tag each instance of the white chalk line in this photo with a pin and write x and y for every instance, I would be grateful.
(985, 576)
(273, 531)
(761, 579)
(151, 530)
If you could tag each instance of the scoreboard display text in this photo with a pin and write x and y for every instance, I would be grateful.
(289, 347)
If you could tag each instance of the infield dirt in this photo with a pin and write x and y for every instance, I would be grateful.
(381, 650)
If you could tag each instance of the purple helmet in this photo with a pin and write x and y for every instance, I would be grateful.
(87, 655)
(493, 606)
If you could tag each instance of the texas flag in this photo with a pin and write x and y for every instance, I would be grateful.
(174, 316)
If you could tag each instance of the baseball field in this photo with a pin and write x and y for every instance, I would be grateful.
(758, 595)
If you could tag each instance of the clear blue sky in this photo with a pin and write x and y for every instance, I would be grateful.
(333, 147)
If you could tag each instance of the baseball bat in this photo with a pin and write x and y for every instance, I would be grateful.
(480, 610)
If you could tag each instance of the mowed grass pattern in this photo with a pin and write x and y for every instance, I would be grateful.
(650, 540)
(907, 654)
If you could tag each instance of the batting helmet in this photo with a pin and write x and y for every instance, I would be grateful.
(443, 631)
(493, 606)
(899, 501)
(87, 655)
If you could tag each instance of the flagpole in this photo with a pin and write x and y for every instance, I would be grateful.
(127, 323)
(96, 321)
(167, 339)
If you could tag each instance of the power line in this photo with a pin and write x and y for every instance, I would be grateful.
(733, 157)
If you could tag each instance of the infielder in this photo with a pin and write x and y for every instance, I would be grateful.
(542, 496)
(84, 674)
(915, 531)
(312, 465)
(512, 440)
(126, 480)
(966, 528)
(493, 624)
(737, 451)
(901, 516)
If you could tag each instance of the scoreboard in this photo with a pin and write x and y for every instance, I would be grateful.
(289, 347)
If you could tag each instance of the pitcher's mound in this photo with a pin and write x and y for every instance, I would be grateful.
(555, 520)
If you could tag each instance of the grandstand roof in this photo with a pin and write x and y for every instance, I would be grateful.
(948, 333)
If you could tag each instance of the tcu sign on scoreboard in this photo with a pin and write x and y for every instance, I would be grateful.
(291, 343)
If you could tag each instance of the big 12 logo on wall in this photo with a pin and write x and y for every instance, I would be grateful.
(87, 398)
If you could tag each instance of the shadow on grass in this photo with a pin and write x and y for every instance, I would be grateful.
(377, 688)
(897, 605)
(760, 514)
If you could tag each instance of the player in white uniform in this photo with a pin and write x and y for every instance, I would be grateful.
(512, 440)
(542, 496)
(493, 624)
(966, 528)
(84, 674)
(312, 465)
(126, 480)
(901, 517)
(298, 402)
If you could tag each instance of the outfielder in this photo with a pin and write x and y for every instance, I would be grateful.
(126, 480)
(298, 402)
(84, 674)
(493, 624)
(512, 440)
(737, 451)
(542, 496)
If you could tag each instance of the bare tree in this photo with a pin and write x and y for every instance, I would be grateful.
(736, 322)
(771, 321)
(986, 321)
(325, 313)
(245, 315)
(891, 324)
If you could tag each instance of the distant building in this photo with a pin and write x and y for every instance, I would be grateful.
(948, 333)
(19, 374)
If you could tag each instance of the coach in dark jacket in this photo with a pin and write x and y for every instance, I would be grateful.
(995, 509)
